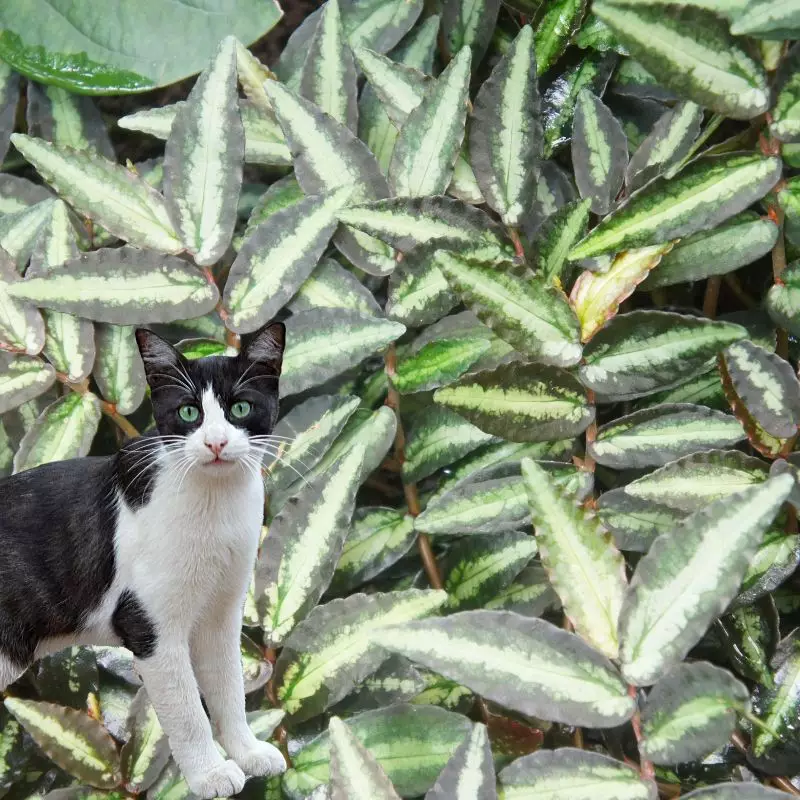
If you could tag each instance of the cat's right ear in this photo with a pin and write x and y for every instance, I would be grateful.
(159, 356)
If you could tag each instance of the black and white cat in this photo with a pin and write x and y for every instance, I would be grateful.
(153, 548)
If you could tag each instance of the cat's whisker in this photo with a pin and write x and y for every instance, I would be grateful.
(279, 459)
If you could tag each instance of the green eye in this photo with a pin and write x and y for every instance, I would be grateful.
(189, 413)
(240, 409)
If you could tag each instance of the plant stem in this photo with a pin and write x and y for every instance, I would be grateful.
(778, 266)
(519, 251)
(280, 735)
(713, 285)
(409, 489)
(740, 743)
(646, 768)
(110, 410)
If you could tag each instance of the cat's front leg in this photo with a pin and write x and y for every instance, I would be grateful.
(216, 655)
(171, 685)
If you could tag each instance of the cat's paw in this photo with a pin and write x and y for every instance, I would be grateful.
(224, 780)
(262, 759)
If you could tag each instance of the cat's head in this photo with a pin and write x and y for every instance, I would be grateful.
(215, 412)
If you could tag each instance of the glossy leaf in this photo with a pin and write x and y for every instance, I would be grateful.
(331, 285)
(766, 20)
(146, 752)
(785, 124)
(118, 368)
(560, 22)
(558, 235)
(21, 379)
(469, 24)
(469, 774)
(437, 364)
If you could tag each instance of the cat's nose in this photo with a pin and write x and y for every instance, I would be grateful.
(217, 447)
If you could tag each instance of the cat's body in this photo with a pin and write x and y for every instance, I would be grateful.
(153, 549)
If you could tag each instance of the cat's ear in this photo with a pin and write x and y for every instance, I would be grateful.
(265, 346)
(159, 356)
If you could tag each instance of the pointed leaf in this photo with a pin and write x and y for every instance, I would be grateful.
(146, 752)
(529, 594)
(203, 160)
(378, 24)
(693, 54)
(437, 364)
(466, 23)
(783, 299)
(767, 20)
(704, 194)
(560, 22)
(557, 236)
(21, 379)
(122, 286)
(521, 402)
(330, 285)
(599, 152)
(505, 136)
(21, 325)
(688, 578)
(641, 352)
(118, 369)
(785, 124)
(469, 774)
(330, 652)
(19, 231)
(527, 665)
(304, 543)
(111, 195)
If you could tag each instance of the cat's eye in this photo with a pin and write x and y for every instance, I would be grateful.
(240, 409)
(189, 413)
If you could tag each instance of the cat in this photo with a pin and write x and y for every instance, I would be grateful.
(153, 549)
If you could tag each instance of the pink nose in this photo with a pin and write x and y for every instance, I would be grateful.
(217, 447)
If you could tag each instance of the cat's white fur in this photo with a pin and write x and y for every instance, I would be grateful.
(188, 555)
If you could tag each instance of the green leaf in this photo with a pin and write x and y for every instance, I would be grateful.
(278, 257)
(379, 24)
(21, 379)
(642, 352)
(72, 739)
(707, 192)
(411, 743)
(666, 145)
(693, 54)
(146, 751)
(572, 774)
(118, 368)
(355, 774)
(783, 299)
(9, 100)
(478, 567)
(528, 313)
(329, 73)
(521, 402)
(775, 560)
(469, 774)
(688, 578)
(203, 160)
(596, 298)
(558, 235)
(559, 23)
(330, 652)
(21, 325)
(122, 286)
(429, 141)
(529, 594)
(735, 791)
(438, 437)
(466, 23)
(437, 364)
(655, 436)
(304, 543)
(65, 429)
(527, 665)
(326, 341)
(330, 285)
(505, 135)
(691, 712)
(19, 231)
(785, 125)
(586, 570)
(766, 19)
(599, 152)
(765, 384)
(112, 195)
(141, 46)
(554, 190)
(378, 537)
(735, 243)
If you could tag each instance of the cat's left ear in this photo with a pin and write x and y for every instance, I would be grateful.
(265, 346)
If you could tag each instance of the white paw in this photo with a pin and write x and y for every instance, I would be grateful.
(262, 759)
(224, 780)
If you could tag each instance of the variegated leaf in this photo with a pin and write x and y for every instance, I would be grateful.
(429, 141)
(693, 54)
(146, 751)
(378, 24)
(783, 299)
(571, 774)
(521, 402)
(419, 293)
(557, 236)
(557, 26)
(21, 325)
(707, 192)
(644, 351)
(529, 594)
(65, 429)
(469, 774)
(118, 369)
(21, 379)
(122, 286)
(19, 230)
(785, 125)
(599, 152)
(466, 23)
(767, 20)
(505, 135)
(524, 664)
(252, 74)
(278, 257)
(525, 311)
(688, 578)
(586, 570)
(111, 195)
(203, 160)
(330, 285)
(330, 652)
(655, 436)
(326, 341)
(304, 543)
(9, 100)
(437, 364)
(73, 740)
(691, 712)
(735, 791)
